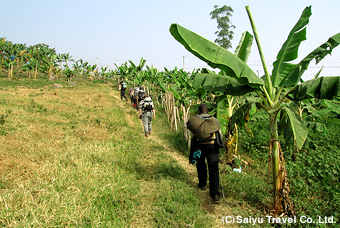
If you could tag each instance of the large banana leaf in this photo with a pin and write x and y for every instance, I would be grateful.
(221, 83)
(222, 113)
(215, 56)
(294, 127)
(243, 49)
(141, 64)
(319, 127)
(331, 108)
(318, 54)
(242, 114)
(321, 88)
(289, 50)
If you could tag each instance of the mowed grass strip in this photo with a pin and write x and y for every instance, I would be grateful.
(78, 157)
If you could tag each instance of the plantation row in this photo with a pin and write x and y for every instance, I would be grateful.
(236, 95)
(40, 58)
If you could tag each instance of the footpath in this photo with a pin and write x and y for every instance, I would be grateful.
(216, 211)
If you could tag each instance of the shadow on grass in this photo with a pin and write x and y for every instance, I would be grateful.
(171, 137)
(164, 168)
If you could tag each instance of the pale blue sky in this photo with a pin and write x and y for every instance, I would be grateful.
(110, 31)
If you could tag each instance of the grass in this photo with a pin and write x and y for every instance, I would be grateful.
(77, 156)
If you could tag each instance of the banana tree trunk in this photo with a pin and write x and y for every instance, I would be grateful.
(232, 141)
(282, 202)
(36, 71)
(231, 133)
(9, 71)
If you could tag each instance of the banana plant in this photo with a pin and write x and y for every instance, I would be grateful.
(69, 74)
(11, 54)
(50, 64)
(66, 57)
(132, 72)
(90, 70)
(103, 71)
(273, 89)
(34, 53)
(226, 104)
(81, 65)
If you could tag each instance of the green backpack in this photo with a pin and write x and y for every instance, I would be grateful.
(203, 127)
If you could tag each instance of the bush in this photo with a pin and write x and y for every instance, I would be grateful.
(314, 176)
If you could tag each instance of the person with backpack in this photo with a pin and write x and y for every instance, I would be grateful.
(133, 98)
(122, 88)
(136, 98)
(147, 113)
(140, 95)
(205, 145)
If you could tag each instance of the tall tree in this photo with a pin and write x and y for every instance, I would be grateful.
(225, 33)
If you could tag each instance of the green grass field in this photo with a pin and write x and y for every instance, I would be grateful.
(77, 157)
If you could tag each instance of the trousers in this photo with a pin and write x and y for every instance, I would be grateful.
(209, 152)
(122, 94)
(146, 119)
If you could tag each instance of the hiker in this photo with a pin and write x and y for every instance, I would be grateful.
(136, 97)
(132, 97)
(147, 112)
(140, 95)
(122, 88)
(205, 145)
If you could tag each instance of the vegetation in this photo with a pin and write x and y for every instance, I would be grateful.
(223, 18)
(76, 156)
(270, 92)
(73, 154)
(40, 58)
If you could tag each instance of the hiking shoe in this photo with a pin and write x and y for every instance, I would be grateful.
(146, 135)
(216, 199)
(204, 187)
(149, 132)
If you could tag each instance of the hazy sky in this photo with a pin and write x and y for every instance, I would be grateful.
(111, 31)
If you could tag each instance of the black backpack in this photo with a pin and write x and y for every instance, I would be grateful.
(147, 106)
(141, 94)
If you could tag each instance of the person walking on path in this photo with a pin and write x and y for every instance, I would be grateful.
(122, 88)
(147, 113)
(140, 95)
(205, 146)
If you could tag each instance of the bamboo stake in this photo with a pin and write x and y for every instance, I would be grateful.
(185, 124)
(177, 112)
(175, 118)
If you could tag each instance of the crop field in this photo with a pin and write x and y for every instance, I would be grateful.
(74, 153)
